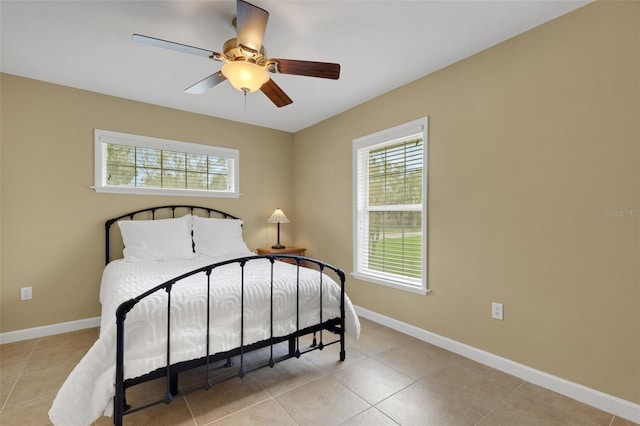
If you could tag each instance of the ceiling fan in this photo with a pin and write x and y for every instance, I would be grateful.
(246, 65)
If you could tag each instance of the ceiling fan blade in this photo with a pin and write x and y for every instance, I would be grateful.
(206, 83)
(183, 48)
(251, 23)
(306, 68)
(276, 94)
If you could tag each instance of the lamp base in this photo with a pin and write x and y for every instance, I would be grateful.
(278, 246)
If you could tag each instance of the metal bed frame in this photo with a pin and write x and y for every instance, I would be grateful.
(171, 371)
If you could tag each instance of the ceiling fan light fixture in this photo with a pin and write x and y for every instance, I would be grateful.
(245, 76)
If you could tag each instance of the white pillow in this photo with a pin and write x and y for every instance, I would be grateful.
(219, 237)
(154, 240)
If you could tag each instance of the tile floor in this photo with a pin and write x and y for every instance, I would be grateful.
(387, 379)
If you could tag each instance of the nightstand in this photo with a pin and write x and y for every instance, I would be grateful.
(294, 251)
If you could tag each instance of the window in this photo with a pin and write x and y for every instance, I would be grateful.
(143, 165)
(390, 198)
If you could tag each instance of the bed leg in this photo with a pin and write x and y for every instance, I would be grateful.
(314, 343)
(119, 412)
(173, 384)
(292, 348)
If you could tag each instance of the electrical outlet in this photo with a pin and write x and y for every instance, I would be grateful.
(497, 311)
(25, 293)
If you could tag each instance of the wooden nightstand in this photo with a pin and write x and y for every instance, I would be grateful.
(294, 251)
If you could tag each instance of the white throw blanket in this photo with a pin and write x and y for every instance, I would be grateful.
(88, 391)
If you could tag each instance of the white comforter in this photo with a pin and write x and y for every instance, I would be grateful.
(88, 391)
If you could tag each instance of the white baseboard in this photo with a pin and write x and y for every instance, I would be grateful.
(609, 403)
(48, 330)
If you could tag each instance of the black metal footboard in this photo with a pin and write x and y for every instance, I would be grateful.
(171, 371)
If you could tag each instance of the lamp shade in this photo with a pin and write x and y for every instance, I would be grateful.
(245, 76)
(278, 216)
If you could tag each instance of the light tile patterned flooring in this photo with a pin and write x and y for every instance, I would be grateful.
(387, 379)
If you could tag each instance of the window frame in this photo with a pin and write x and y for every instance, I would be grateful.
(380, 139)
(104, 137)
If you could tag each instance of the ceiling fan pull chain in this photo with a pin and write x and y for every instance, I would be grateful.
(245, 99)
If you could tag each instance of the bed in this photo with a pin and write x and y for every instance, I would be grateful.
(189, 295)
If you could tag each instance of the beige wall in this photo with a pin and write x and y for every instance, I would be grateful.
(53, 223)
(530, 144)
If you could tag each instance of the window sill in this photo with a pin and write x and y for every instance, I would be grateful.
(164, 191)
(393, 284)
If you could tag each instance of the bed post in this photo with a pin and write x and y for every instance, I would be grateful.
(107, 227)
(172, 377)
(120, 405)
(241, 372)
(342, 313)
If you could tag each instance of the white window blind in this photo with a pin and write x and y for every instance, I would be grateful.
(390, 206)
(127, 163)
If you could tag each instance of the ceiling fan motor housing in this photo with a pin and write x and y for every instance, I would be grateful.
(235, 52)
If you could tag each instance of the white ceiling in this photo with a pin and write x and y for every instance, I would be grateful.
(380, 45)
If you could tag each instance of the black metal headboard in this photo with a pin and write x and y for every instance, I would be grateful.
(171, 213)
